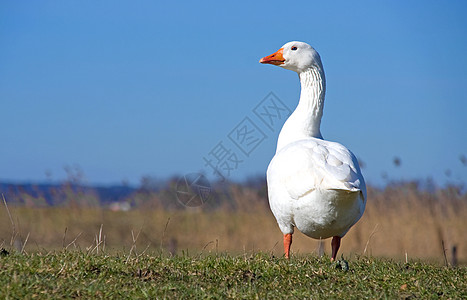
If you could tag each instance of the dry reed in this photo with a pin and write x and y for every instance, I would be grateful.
(400, 221)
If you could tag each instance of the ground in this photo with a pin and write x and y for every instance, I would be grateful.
(80, 274)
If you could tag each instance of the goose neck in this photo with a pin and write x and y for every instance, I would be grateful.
(305, 121)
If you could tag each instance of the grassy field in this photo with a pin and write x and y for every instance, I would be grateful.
(410, 243)
(77, 274)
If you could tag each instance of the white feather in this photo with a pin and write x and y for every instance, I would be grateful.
(313, 184)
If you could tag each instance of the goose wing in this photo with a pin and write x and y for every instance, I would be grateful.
(310, 164)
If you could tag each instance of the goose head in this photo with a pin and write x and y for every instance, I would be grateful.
(295, 56)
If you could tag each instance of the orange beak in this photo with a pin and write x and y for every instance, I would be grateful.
(274, 59)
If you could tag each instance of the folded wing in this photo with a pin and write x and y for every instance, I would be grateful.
(310, 164)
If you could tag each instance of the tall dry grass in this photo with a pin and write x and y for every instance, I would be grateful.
(401, 220)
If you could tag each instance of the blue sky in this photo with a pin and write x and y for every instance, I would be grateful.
(125, 89)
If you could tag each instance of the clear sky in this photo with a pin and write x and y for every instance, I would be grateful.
(125, 89)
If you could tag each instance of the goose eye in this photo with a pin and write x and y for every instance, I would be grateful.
(294, 48)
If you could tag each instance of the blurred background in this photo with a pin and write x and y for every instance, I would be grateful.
(113, 104)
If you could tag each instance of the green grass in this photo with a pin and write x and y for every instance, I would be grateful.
(76, 274)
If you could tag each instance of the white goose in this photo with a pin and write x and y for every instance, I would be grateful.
(313, 184)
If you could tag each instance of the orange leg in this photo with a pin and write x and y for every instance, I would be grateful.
(287, 243)
(335, 244)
